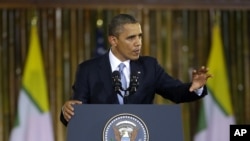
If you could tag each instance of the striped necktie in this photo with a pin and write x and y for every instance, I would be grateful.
(123, 81)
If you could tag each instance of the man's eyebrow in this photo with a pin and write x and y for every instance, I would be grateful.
(132, 36)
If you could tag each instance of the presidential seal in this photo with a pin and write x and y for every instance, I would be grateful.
(125, 127)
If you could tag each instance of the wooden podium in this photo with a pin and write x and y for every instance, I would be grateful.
(93, 122)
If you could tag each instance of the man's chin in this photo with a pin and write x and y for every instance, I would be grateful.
(134, 58)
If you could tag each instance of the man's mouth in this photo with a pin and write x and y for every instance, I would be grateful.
(137, 51)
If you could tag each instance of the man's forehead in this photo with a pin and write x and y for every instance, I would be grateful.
(132, 28)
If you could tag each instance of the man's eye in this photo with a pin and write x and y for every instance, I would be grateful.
(131, 38)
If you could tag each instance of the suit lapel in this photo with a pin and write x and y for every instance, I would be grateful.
(136, 67)
(106, 76)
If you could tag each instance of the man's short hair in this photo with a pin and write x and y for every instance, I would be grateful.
(116, 25)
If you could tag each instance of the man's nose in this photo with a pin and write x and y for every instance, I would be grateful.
(138, 41)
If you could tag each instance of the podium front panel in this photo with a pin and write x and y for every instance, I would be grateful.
(163, 122)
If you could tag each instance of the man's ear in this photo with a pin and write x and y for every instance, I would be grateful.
(112, 40)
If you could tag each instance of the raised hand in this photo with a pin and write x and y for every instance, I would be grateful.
(199, 78)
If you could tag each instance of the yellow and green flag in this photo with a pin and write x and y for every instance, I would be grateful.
(33, 122)
(216, 112)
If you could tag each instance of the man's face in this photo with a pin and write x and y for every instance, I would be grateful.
(127, 45)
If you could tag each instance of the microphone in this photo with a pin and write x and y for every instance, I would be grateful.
(117, 85)
(134, 83)
(116, 80)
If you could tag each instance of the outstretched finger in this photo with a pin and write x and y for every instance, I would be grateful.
(194, 72)
(203, 69)
(209, 75)
(73, 102)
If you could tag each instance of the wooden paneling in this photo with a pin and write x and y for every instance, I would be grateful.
(175, 4)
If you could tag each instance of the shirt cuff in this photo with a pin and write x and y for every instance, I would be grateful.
(199, 91)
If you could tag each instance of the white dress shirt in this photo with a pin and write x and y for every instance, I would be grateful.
(115, 62)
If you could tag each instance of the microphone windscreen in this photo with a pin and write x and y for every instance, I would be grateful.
(116, 74)
(116, 80)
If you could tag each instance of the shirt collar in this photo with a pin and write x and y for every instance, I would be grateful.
(114, 61)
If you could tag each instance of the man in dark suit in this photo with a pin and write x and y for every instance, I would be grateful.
(94, 82)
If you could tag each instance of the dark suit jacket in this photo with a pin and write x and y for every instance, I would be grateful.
(93, 83)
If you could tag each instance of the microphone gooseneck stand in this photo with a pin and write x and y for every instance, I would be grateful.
(134, 83)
